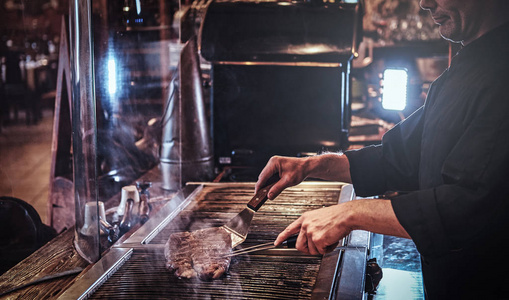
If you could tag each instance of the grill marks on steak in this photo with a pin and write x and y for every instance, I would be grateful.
(199, 253)
(208, 255)
(178, 252)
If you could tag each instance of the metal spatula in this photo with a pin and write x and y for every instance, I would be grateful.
(238, 227)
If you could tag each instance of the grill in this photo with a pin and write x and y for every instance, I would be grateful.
(135, 268)
(254, 277)
(215, 205)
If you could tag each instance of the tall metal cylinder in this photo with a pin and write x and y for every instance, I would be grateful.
(186, 152)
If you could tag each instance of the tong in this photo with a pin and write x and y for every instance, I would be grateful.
(289, 243)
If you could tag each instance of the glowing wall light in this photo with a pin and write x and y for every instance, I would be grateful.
(112, 76)
(138, 7)
(394, 89)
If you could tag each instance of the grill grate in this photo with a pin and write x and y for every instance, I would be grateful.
(250, 277)
(275, 274)
(215, 206)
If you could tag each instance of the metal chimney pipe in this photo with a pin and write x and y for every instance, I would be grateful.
(186, 153)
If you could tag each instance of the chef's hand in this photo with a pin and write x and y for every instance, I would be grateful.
(291, 170)
(319, 230)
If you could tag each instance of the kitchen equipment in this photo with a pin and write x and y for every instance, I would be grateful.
(238, 227)
(91, 224)
(186, 151)
(289, 243)
(135, 268)
(113, 231)
(144, 207)
(128, 192)
(128, 220)
(286, 63)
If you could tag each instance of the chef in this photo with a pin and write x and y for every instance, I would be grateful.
(446, 167)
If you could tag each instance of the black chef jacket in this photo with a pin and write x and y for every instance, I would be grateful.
(452, 157)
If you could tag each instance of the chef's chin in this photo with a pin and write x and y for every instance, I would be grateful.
(449, 35)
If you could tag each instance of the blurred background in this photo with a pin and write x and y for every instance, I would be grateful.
(29, 46)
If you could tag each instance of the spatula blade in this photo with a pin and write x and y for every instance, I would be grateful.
(238, 227)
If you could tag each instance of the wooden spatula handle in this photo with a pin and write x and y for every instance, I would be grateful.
(261, 196)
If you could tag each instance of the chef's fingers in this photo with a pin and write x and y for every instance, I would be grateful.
(302, 242)
(277, 188)
(288, 232)
(323, 249)
(269, 170)
(312, 247)
(330, 248)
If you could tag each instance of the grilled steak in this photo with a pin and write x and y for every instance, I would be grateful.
(178, 251)
(199, 253)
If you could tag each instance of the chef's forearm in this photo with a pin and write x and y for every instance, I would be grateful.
(330, 166)
(376, 215)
